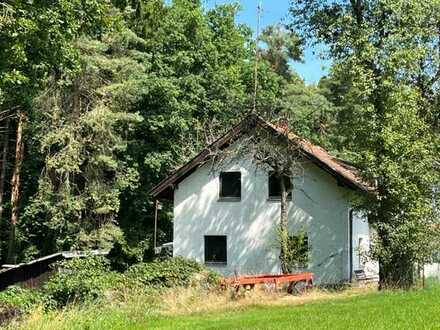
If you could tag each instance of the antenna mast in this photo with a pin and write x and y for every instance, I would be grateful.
(257, 53)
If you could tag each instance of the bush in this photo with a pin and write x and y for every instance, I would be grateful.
(122, 255)
(80, 280)
(170, 272)
(20, 298)
(16, 301)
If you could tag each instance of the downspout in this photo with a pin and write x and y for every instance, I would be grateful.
(350, 242)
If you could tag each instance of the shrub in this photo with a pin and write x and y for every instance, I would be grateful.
(80, 280)
(20, 298)
(170, 272)
(122, 255)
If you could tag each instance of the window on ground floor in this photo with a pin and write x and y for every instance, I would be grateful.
(215, 249)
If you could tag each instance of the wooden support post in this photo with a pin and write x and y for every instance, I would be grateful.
(156, 208)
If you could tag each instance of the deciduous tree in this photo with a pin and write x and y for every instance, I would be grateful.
(387, 52)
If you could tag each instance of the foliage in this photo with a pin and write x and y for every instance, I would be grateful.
(50, 28)
(24, 299)
(281, 47)
(37, 43)
(297, 249)
(171, 272)
(126, 92)
(385, 55)
(88, 279)
(16, 301)
(80, 280)
(310, 113)
(122, 255)
(85, 168)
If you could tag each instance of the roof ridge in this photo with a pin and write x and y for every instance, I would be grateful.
(317, 154)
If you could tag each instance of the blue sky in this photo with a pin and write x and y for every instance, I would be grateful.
(276, 11)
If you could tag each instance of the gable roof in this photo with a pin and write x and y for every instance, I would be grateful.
(344, 173)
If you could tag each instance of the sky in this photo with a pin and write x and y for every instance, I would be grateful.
(276, 11)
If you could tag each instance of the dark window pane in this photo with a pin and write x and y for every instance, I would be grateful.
(230, 184)
(275, 187)
(215, 249)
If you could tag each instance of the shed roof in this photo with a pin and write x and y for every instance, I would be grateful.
(344, 173)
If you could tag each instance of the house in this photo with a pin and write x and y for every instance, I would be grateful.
(227, 217)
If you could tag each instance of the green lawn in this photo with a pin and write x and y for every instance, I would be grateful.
(410, 310)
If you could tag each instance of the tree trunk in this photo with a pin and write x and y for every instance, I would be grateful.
(4, 160)
(15, 189)
(283, 229)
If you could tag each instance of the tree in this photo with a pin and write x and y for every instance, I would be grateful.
(281, 47)
(282, 93)
(82, 131)
(310, 114)
(194, 82)
(36, 41)
(387, 53)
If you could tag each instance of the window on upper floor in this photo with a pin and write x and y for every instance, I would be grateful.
(275, 186)
(215, 249)
(230, 186)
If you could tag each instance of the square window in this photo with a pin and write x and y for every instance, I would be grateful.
(215, 249)
(230, 185)
(275, 186)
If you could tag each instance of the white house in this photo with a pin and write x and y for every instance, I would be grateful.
(226, 217)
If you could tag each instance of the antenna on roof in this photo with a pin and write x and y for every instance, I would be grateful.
(257, 53)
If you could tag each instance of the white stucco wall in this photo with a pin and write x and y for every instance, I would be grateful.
(319, 206)
(361, 246)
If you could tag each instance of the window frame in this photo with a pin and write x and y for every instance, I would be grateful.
(270, 175)
(212, 262)
(228, 198)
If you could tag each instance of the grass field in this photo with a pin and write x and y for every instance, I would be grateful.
(418, 309)
(392, 310)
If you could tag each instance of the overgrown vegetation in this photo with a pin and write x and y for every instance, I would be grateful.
(80, 280)
(385, 79)
(195, 309)
(171, 272)
(91, 281)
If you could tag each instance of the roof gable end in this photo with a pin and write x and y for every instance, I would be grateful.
(344, 173)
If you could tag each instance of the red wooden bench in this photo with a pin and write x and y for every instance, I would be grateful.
(251, 280)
